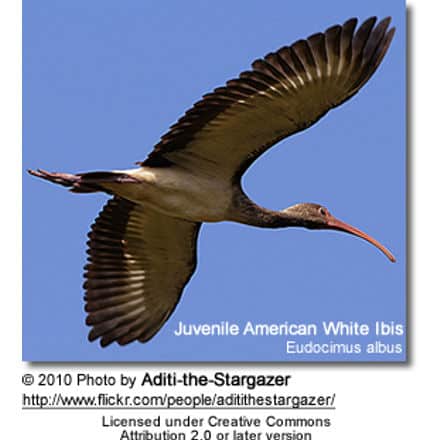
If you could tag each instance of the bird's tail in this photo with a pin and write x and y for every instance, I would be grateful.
(85, 182)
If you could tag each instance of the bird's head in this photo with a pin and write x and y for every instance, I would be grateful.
(314, 216)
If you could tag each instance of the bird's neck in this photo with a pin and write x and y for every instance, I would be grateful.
(247, 212)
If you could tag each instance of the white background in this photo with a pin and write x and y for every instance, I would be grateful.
(373, 401)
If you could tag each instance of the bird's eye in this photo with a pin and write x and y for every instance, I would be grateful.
(322, 211)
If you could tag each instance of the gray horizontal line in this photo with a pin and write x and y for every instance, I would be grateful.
(155, 408)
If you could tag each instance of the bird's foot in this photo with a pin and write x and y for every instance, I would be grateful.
(64, 179)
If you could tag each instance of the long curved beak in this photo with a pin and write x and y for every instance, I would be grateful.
(334, 223)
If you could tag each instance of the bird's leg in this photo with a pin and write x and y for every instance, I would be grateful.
(64, 179)
(86, 182)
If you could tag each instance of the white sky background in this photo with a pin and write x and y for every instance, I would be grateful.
(408, 400)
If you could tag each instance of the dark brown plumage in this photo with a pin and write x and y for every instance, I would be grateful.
(333, 65)
(120, 291)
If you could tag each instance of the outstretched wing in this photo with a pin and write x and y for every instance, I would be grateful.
(285, 92)
(139, 263)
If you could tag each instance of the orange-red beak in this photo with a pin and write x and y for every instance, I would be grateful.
(334, 223)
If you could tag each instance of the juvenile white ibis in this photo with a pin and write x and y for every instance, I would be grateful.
(142, 247)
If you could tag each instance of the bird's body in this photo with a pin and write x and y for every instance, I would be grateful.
(142, 247)
(178, 192)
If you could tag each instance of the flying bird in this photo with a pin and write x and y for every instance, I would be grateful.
(142, 246)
